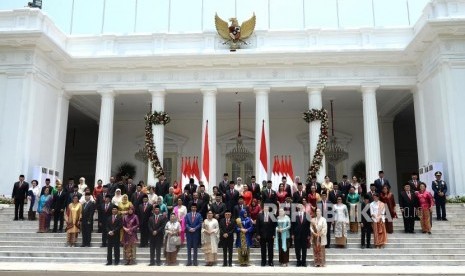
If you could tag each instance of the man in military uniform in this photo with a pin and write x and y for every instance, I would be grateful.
(440, 190)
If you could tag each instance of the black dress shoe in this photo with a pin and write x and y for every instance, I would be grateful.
(368, 246)
(263, 264)
(189, 264)
(109, 264)
(327, 246)
(15, 219)
(151, 264)
(196, 264)
(271, 264)
(230, 265)
(304, 265)
(225, 265)
(116, 263)
(363, 247)
(444, 219)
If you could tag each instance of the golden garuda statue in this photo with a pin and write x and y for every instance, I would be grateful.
(235, 35)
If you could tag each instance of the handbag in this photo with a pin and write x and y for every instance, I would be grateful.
(176, 240)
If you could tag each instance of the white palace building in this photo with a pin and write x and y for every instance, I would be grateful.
(78, 76)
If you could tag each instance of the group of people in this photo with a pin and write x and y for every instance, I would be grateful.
(234, 215)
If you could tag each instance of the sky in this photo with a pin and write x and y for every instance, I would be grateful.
(90, 17)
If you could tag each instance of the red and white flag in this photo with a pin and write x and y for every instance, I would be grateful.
(273, 172)
(206, 160)
(291, 170)
(263, 167)
(195, 170)
(184, 176)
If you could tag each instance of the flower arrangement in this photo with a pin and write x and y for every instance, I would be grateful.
(154, 118)
(317, 115)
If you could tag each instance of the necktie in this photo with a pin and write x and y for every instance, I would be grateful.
(106, 207)
(156, 219)
(231, 191)
(269, 193)
(145, 206)
(266, 217)
(193, 217)
(300, 193)
(59, 193)
(382, 181)
(227, 222)
(301, 217)
(113, 220)
(409, 195)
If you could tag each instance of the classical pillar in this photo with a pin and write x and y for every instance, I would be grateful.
(59, 137)
(315, 102)
(158, 131)
(209, 115)
(420, 126)
(262, 117)
(105, 135)
(371, 133)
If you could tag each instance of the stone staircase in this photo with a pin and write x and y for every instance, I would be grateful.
(19, 242)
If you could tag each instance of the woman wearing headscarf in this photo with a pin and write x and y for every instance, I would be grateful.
(117, 198)
(181, 211)
(244, 229)
(124, 205)
(44, 210)
(172, 231)
(33, 197)
(177, 189)
(82, 185)
(73, 221)
(163, 208)
(210, 239)
(319, 229)
(282, 240)
(169, 200)
(130, 227)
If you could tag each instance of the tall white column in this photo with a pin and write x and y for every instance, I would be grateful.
(158, 131)
(209, 114)
(262, 114)
(61, 124)
(105, 135)
(371, 133)
(420, 126)
(315, 101)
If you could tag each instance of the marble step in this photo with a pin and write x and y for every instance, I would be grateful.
(182, 262)
(255, 258)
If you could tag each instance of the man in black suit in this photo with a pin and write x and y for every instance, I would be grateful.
(266, 229)
(156, 228)
(191, 187)
(136, 198)
(299, 194)
(224, 184)
(19, 196)
(332, 195)
(162, 186)
(130, 187)
(287, 187)
(414, 183)
(73, 193)
(365, 224)
(231, 197)
(204, 196)
(145, 211)
(300, 230)
(381, 181)
(218, 208)
(269, 196)
(227, 229)
(202, 207)
(327, 212)
(313, 182)
(371, 192)
(239, 207)
(113, 226)
(69, 188)
(344, 185)
(254, 188)
(408, 203)
(104, 212)
(112, 186)
(87, 220)
(59, 204)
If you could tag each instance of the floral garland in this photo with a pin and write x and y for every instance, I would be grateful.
(317, 115)
(158, 118)
(155, 118)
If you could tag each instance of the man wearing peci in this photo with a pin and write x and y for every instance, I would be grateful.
(266, 226)
(380, 182)
(113, 226)
(301, 235)
(227, 229)
(19, 196)
(193, 226)
(156, 226)
(87, 220)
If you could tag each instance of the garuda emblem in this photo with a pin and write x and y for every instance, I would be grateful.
(235, 35)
